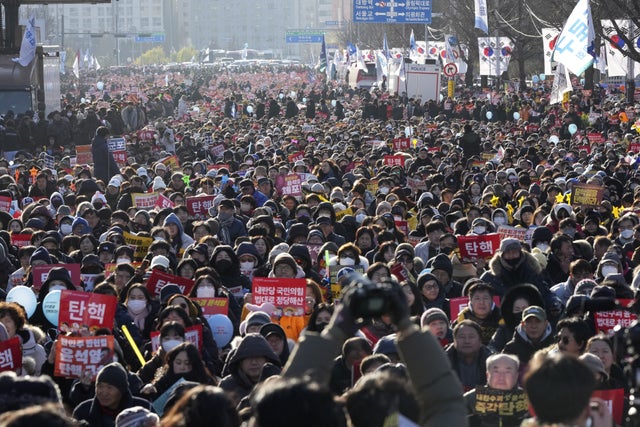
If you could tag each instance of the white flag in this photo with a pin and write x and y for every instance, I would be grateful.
(561, 84)
(97, 64)
(76, 65)
(482, 20)
(360, 60)
(28, 47)
(575, 45)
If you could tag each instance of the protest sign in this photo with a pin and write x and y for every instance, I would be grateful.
(11, 354)
(41, 272)
(83, 155)
(394, 160)
(144, 201)
(401, 144)
(314, 250)
(198, 206)
(456, 305)
(595, 137)
(634, 147)
(5, 203)
(416, 184)
(607, 320)
(294, 157)
(508, 232)
(164, 202)
(159, 279)
(504, 404)
(288, 295)
(192, 334)
(340, 214)
(614, 400)
(77, 355)
(291, 185)
(211, 306)
(586, 195)
(217, 150)
(120, 157)
(19, 240)
(478, 246)
(85, 310)
(140, 245)
(116, 143)
(171, 162)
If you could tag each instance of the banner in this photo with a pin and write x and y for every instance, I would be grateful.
(478, 246)
(144, 201)
(120, 157)
(615, 402)
(198, 206)
(20, 240)
(11, 354)
(164, 202)
(192, 334)
(575, 45)
(294, 157)
(159, 279)
(607, 320)
(394, 160)
(171, 162)
(495, 54)
(84, 310)
(116, 144)
(340, 214)
(549, 39)
(5, 203)
(586, 195)
(508, 405)
(83, 155)
(291, 185)
(416, 184)
(41, 272)
(506, 232)
(140, 245)
(217, 150)
(77, 355)
(211, 306)
(288, 295)
(561, 85)
(482, 19)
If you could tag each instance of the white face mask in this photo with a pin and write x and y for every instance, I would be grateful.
(360, 218)
(136, 306)
(543, 247)
(57, 288)
(347, 261)
(65, 229)
(608, 269)
(206, 292)
(384, 190)
(479, 229)
(626, 233)
(499, 220)
(123, 261)
(169, 345)
(247, 265)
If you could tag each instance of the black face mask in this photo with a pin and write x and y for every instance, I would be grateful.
(304, 219)
(223, 266)
(138, 227)
(513, 262)
(320, 326)
(446, 251)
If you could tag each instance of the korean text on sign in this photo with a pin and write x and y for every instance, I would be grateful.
(211, 306)
(478, 246)
(286, 294)
(80, 310)
(394, 160)
(192, 334)
(77, 355)
(160, 279)
(10, 354)
(198, 207)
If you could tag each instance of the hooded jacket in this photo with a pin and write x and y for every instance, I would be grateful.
(237, 382)
(184, 240)
(524, 348)
(231, 278)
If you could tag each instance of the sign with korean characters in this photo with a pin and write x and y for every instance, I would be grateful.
(291, 185)
(41, 272)
(86, 311)
(288, 295)
(505, 404)
(456, 305)
(198, 206)
(11, 354)
(607, 320)
(159, 279)
(586, 195)
(146, 201)
(192, 334)
(394, 160)
(140, 245)
(83, 155)
(478, 246)
(211, 306)
(401, 144)
(77, 355)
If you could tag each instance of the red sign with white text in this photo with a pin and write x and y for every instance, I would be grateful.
(478, 246)
(84, 310)
(198, 206)
(192, 334)
(10, 354)
(456, 305)
(211, 306)
(394, 160)
(77, 355)
(41, 272)
(159, 279)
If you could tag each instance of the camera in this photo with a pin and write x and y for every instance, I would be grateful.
(367, 299)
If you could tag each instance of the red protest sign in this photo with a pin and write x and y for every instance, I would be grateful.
(5, 203)
(456, 305)
(80, 310)
(587, 148)
(478, 246)
(211, 306)
(635, 147)
(286, 294)
(198, 206)
(292, 185)
(20, 240)
(10, 354)
(41, 272)
(615, 402)
(400, 144)
(607, 320)
(398, 270)
(192, 334)
(120, 156)
(164, 202)
(146, 135)
(294, 157)
(595, 137)
(218, 166)
(158, 279)
(394, 160)
(217, 150)
(77, 355)
(83, 155)
(403, 226)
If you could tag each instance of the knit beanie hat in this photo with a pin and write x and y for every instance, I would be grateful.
(115, 375)
(22, 392)
(424, 278)
(40, 254)
(285, 258)
(136, 416)
(441, 262)
(433, 314)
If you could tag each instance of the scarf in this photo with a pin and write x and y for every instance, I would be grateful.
(139, 319)
(223, 232)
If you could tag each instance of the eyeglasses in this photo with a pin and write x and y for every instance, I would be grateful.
(565, 340)
(430, 287)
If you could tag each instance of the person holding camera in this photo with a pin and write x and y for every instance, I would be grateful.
(438, 393)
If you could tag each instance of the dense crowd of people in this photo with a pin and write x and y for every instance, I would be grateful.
(223, 178)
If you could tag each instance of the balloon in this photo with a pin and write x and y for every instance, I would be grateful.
(489, 115)
(51, 306)
(293, 94)
(304, 100)
(542, 77)
(516, 116)
(100, 85)
(25, 297)
(573, 128)
(333, 102)
(535, 79)
(249, 109)
(281, 95)
(222, 329)
(195, 109)
(554, 139)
